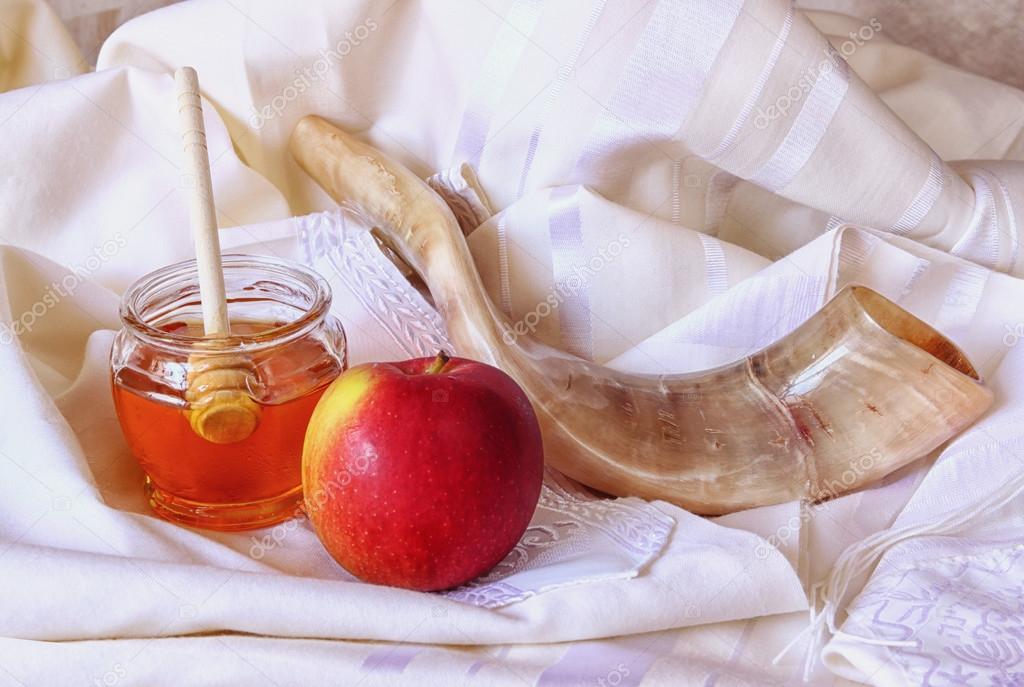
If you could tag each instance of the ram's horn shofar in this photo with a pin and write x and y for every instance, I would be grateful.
(859, 390)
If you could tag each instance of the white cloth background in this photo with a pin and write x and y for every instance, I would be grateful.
(723, 145)
(963, 592)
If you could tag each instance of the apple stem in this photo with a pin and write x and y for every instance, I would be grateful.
(439, 362)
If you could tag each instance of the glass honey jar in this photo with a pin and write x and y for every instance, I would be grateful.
(168, 382)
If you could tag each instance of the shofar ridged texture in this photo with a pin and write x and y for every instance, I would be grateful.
(859, 390)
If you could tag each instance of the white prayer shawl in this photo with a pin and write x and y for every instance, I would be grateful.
(714, 170)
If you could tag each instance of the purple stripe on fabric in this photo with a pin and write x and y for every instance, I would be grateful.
(663, 81)
(729, 140)
(553, 92)
(568, 260)
(737, 651)
(622, 662)
(819, 108)
(716, 270)
(919, 269)
(980, 243)
(923, 202)
(497, 658)
(389, 659)
(1011, 218)
(857, 248)
(472, 134)
(677, 173)
(963, 297)
(495, 75)
(504, 273)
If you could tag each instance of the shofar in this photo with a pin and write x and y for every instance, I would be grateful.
(859, 390)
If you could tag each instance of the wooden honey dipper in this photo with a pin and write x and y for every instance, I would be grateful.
(221, 409)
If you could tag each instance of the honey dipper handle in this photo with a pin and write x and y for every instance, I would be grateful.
(203, 215)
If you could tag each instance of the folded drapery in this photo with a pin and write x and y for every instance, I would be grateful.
(959, 589)
(35, 46)
(730, 170)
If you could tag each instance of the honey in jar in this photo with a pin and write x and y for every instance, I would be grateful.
(290, 348)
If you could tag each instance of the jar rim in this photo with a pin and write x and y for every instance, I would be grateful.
(186, 272)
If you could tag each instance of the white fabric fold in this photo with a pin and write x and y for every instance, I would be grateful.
(947, 604)
(83, 515)
(886, 172)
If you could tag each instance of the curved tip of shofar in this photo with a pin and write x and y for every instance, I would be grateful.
(859, 390)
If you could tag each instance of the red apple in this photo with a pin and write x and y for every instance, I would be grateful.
(424, 473)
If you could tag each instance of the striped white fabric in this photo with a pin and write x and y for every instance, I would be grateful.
(491, 84)
(982, 242)
(922, 203)
(1012, 231)
(819, 108)
(498, 84)
(663, 79)
(964, 294)
(568, 262)
(554, 90)
(504, 280)
(729, 140)
(716, 271)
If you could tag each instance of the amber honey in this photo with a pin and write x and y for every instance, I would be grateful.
(249, 483)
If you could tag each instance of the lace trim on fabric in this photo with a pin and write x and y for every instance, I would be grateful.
(637, 528)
